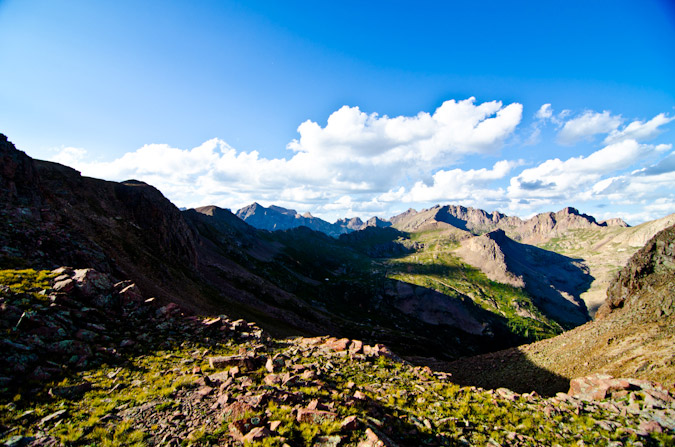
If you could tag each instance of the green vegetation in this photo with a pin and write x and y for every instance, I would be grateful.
(26, 281)
(437, 268)
(127, 402)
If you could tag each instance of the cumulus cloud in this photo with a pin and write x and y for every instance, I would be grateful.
(367, 164)
(640, 131)
(461, 185)
(456, 128)
(545, 112)
(354, 155)
(588, 125)
(557, 178)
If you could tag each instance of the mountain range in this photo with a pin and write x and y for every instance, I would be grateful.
(495, 300)
(534, 230)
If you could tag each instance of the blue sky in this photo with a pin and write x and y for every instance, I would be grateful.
(353, 108)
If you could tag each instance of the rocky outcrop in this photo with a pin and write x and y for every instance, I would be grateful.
(614, 222)
(464, 218)
(555, 282)
(535, 230)
(354, 223)
(377, 222)
(646, 285)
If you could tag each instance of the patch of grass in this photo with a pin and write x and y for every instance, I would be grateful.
(27, 281)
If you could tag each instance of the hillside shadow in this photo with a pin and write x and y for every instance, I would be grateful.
(444, 216)
(555, 281)
(378, 242)
(509, 368)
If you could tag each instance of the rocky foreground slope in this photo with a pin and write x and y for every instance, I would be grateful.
(93, 362)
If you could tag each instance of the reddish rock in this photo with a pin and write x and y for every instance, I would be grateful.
(276, 363)
(64, 286)
(90, 282)
(350, 423)
(372, 440)
(315, 416)
(337, 345)
(647, 427)
(67, 271)
(219, 377)
(224, 362)
(247, 361)
(131, 294)
(272, 379)
(203, 392)
(257, 434)
(597, 386)
(221, 402)
(236, 410)
(383, 351)
(288, 379)
(355, 347)
(167, 311)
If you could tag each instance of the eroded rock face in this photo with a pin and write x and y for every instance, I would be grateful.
(554, 281)
(646, 285)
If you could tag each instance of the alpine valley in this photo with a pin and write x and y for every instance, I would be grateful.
(126, 321)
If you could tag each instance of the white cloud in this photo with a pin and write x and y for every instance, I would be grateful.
(69, 156)
(354, 155)
(456, 128)
(367, 164)
(587, 125)
(572, 178)
(460, 185)
(545, 112)
(640, 131)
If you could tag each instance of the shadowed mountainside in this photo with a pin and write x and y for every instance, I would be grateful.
(555, 281)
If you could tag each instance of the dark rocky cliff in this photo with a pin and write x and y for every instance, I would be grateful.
(646, 285)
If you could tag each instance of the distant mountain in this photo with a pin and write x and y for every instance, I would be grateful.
(537, 229)
(277, 218)
(406, 288)
(376, 222)
(465, 218)
(354, 223)
(209, 261)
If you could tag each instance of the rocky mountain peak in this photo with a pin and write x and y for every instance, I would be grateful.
(614, 222)
(283, 210)
(377, 222)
